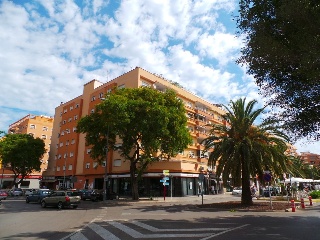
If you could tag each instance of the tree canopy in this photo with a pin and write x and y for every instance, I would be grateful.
(21, 153)
(151, 126)
(244, 150)
(282, 52)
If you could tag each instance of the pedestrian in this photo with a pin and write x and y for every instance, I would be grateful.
(212, 189)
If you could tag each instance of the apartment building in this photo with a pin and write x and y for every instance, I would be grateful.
(70, 165)
(38, 126)
(310, 158)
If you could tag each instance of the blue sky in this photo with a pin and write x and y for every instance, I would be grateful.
(50, 49)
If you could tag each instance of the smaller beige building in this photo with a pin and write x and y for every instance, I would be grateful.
(37, 126)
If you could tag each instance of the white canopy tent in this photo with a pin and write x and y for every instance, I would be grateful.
(298, 180)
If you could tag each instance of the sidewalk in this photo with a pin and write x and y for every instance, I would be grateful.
(193, 199)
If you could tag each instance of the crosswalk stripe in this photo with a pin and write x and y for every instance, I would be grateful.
(154, 229)
(135, 234)
(102, 232)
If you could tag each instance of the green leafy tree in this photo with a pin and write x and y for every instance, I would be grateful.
(151, 125)
(244, 150)
(281, 51)
(21, 153)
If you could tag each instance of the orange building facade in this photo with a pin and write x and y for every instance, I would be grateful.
(70, 165)
(38, 126)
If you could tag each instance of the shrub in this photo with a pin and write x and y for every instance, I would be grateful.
(315, 194)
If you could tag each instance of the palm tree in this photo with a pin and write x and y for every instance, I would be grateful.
(242, 149)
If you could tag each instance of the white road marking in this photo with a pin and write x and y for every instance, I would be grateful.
(220, 233)
(135, 234)
(102, 232)
(154, 229)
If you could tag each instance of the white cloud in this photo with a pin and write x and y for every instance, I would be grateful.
(49, 49)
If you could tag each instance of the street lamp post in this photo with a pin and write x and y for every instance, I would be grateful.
(105, 180)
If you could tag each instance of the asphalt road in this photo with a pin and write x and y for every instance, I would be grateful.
(171, 219)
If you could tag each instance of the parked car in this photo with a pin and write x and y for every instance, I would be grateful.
(28, 191)
(3, 195)
(237, 191)
(273, 190)
(85, 194)
(97, 195)
(61, 199)
(16, 192)
(37, 195)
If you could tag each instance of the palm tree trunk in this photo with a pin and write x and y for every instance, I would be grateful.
(246, 198)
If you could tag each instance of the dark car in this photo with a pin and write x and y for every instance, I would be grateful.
(38, 195)
(85, 194)
(97, 195)
(274, 191)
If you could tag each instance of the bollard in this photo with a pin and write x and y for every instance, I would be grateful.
(302, 203)
(310, 200)
(293, 206)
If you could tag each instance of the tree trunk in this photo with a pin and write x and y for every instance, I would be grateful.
(134, 181)
(246, 198)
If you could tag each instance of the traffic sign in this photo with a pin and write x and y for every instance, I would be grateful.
(162, 180)
(166, 178)
(165, 172)
(165, 184)
(267, 177)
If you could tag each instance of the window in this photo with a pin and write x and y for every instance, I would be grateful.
(74, 129)
(103, 164)
(121, 86)
(70, 167)
(93, 98)
(109, 91)
(43, 136)
(100, 95)
(145, 84)
(191, 154)
(117, 162)
(75, 117)
(92, 110)
(59, 156)
(62, 133)
(71, 154)
(58, 169)
(71, 108)
(65, 110)
(61, 144)
(32, 126)
(63, 167)
(70, 119)
(77, 105)
(65, 155)
(31, 134)
(44, 128)
(73, 141)
(67, 143)
(88, 150)
(87, 165)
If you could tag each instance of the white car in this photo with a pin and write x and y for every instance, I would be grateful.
(237, 191)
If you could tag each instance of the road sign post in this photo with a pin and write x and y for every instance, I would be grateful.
(164, 182)
(267, 177)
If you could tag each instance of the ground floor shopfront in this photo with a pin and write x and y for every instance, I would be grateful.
(29, 182)
(151, 185)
